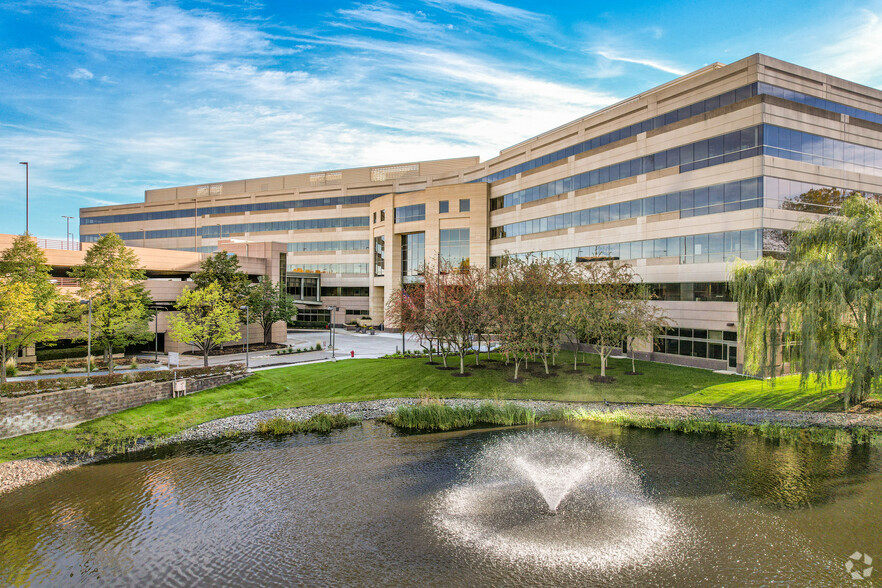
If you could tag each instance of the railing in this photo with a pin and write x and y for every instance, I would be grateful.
(66, 282)
(67, 245)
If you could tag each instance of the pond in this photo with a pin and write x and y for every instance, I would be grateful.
(573, 504)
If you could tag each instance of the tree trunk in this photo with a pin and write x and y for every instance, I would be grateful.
(268, 334)
(205, 357)
(3, 368)
(545, 363)
(602, 360)
(109, 351)
(478, 351)
(576, 356)
(462, 363)
(633, 366)
(517, 366)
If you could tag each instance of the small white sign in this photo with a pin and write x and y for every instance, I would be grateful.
(174, 358)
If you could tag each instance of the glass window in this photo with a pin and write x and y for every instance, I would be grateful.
(454, 247)
(413, 256)
(414, 212)
(464, 205)
(685, 347)
(380, 256)
(443, 206)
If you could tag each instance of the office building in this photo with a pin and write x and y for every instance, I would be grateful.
(678, 181)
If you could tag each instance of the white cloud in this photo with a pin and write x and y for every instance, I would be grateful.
(81, 73)
(162, 30)
(613, 56)
(510, 13)
(383, 15)
(857, 54)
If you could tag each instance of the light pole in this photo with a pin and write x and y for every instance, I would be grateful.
(157, 308)
(247, 310)
(27, 195)
(89, 344)
(332, 333)
(67, 234)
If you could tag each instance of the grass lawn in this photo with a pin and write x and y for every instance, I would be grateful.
(369, 379)
(784, 394)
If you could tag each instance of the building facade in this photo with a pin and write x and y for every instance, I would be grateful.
(679, 181)
(168, 275)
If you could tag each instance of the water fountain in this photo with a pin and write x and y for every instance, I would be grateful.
(553, 498)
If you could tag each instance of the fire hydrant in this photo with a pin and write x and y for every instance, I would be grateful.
(352, 353)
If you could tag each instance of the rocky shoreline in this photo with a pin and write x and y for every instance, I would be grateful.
(15, 474)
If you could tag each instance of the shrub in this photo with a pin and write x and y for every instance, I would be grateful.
(320, 423)
(64, 369)
(318, 346)
(38, 370)
(11, 367)
(134, 365)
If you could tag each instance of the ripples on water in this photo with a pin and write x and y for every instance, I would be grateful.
(361, 507)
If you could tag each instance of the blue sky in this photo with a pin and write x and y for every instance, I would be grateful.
(106, 98)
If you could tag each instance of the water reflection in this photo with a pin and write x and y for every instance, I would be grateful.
(355, 507)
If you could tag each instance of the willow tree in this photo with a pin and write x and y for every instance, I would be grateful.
(822, 306)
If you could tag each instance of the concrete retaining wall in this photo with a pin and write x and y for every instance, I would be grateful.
(53, 410)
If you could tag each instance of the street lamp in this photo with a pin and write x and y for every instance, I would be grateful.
(247, 325)
(27, 195)
(67, 234)
(89, 344)
(332, 334)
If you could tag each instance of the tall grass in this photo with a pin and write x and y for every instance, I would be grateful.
(775, 431)
(434, 416)
(320, 423)
(11, 367)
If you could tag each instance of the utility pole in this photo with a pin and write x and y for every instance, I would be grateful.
(27, 196)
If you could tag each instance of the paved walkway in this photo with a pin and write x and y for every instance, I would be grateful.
(363, 345)
(347, 343)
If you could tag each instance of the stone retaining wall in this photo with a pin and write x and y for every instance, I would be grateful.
(53, 410)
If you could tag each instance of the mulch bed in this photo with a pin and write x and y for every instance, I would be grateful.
(633, 373)
(459, 375)
(445, 369)
(515, 380)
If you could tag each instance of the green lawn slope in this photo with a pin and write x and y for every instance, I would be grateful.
(370, 379)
